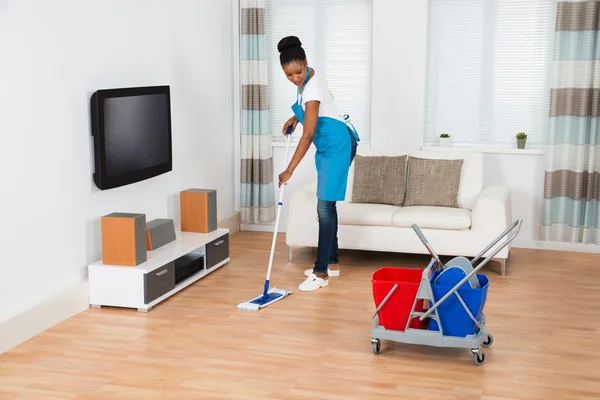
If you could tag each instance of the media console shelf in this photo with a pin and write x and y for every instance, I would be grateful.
(167, 270)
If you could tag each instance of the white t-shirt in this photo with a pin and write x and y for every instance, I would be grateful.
(318, 89)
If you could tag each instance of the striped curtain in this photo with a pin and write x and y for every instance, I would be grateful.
(572, 179)
(257, 188)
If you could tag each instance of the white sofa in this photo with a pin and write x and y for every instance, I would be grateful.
(482, 215)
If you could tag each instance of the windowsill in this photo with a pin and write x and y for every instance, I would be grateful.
(477, 149)
(488, 150)
(293, 144)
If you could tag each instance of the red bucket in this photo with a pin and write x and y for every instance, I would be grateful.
(395, 312)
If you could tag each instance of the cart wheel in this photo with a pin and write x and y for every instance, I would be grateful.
(488, 342)
(376, 345)
(478, 358)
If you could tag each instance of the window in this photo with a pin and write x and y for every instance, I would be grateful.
(336, 35)
(487, 71)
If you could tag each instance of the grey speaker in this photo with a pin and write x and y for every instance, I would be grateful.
(159, 232)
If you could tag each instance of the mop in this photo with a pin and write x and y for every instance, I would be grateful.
(270, 296)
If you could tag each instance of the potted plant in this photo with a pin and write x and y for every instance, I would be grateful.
(521, 140)
(445, 140)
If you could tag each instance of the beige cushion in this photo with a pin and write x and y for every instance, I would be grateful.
(433, 218)
(432, 182)
(379, 180)
(365, 214)
(471, 179)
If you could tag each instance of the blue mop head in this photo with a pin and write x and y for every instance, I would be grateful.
(263, 300)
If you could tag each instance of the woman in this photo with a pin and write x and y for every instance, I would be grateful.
(335, 146)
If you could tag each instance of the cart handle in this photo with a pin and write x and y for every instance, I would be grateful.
(427, 246)
(385, 300)
(516, 224)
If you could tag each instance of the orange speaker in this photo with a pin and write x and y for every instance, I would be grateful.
(123, 239)
(198, 210)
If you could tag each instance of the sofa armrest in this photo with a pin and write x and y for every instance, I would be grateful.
(492, 210)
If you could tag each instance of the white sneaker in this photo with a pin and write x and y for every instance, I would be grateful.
(311, 283)
(330, 272)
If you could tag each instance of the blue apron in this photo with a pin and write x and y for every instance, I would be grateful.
(332, 157)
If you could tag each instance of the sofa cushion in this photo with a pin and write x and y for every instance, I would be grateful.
(365, 214)
(471, 180)
(379, 180)
(432, 182)
(366, 151)
(433, 217)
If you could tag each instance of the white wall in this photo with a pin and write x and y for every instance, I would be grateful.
(398, 113)
(524, 175)
(54, 55)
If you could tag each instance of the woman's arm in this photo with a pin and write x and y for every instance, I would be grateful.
(310, 124)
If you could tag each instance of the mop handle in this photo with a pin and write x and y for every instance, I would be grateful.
(279, 205)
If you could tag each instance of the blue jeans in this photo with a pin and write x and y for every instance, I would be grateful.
(327, 252)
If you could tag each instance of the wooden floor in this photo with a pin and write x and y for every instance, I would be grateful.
(544, 315)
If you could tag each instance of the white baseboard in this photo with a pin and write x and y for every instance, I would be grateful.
(525, 244)
(28, 324)
(232, 222)
(36, 320)
(265, 227)
(556, 246)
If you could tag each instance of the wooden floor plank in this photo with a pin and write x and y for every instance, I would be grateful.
(197, 345)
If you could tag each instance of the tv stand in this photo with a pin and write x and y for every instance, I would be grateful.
(167, 270)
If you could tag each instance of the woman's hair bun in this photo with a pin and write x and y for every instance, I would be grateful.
(287, 42)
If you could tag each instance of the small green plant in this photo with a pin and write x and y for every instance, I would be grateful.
(521, 139)
(444, 135)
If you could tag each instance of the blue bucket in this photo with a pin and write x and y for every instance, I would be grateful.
(455, 320)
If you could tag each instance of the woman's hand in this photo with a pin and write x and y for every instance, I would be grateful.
(293, 121)
(284, 177)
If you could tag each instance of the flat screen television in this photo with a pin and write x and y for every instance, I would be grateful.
(132, 134)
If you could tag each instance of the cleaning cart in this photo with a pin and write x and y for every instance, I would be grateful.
(440, 306)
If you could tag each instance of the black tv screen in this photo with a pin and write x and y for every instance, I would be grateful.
(132, 134)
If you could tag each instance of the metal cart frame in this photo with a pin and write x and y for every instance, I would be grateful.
(437, 338)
